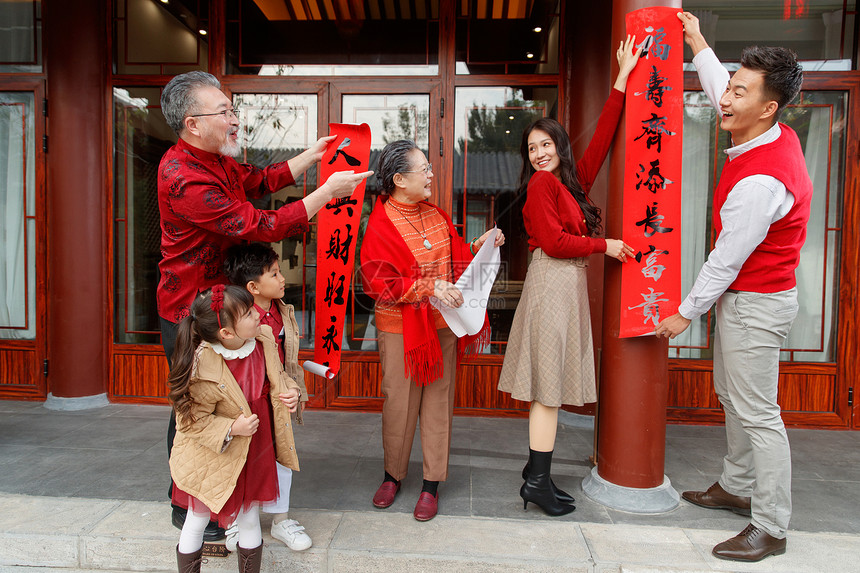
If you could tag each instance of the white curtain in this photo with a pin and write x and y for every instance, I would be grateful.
(814, 324)
(696, 193)
(17, 29)
(14, 311)
(807, 329)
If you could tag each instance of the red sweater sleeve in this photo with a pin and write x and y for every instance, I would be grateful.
(200, 201)
(592, 160)
(544, 221)
(260, 182)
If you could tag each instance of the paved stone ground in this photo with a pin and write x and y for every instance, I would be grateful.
(84, 491)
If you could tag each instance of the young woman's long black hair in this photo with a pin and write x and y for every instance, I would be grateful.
(567, 169)
(201, 324)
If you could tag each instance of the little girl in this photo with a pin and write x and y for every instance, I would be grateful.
(227, 382)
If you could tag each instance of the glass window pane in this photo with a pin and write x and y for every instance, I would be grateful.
(819, 121)
(332, 38)
(276, 127)
(820, 31)
(21, 36)
(488, 128)
(390, 117)
(141, 137)
(160, 37)
(530, 31)
(17, 231)
(819, 118)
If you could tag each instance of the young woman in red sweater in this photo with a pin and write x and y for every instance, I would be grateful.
(549, 358)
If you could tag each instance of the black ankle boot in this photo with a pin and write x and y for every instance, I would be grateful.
(562, 495)
(537, 488)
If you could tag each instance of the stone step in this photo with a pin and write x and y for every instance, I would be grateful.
(61, 535)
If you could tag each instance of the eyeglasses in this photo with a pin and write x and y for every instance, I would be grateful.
(226, 114)
(425, 170)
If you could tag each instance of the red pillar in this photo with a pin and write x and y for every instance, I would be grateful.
(586, 52)
(76, 52)
(632, 404)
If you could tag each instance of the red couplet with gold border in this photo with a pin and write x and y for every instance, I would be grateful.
(337, 231)
(651, 283)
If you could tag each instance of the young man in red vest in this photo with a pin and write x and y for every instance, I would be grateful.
(761, 207)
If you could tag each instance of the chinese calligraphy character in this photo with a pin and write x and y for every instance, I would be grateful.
(654, 127)
(338, 203)
(334, 289)
(656, 88)
(348, 158)
(651, 270)
(336, 249)
(650, 307)
(328, 339)
(652, 44)
(655, 179)
(652, 221)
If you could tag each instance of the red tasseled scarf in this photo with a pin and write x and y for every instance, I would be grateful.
(388, 270)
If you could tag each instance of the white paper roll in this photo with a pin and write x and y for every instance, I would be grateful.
(475, 285)
(318, 369)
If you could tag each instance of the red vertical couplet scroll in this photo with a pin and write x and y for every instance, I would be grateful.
(337, 232)
(651, 283)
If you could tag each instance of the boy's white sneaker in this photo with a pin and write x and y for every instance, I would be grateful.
(292, 534)
(232, 537)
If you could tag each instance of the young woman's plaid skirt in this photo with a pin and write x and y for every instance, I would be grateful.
(549, 356)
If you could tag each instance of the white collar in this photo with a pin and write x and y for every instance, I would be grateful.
(769, 136)
(230, 354)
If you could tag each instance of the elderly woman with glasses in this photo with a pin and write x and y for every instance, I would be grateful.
(409, 253)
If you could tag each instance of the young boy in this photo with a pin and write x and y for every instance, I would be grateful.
(256, 267)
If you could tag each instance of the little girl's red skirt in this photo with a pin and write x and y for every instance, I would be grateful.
(258, 480)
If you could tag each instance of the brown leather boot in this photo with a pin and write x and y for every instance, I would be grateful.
(189, 562)
(250, 559)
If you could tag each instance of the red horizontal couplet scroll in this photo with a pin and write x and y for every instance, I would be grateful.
(337, 232)
(651, 283)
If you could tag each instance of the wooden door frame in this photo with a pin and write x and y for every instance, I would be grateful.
(39, 345)
(848, 329)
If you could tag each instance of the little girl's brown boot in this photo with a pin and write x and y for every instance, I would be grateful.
(250, 559)
(189, 562)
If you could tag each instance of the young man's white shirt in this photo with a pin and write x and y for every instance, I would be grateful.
(752, 206)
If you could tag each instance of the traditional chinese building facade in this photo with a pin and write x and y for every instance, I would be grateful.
(81, 134)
